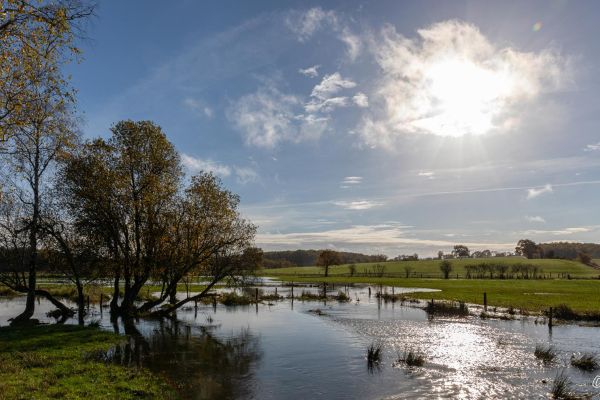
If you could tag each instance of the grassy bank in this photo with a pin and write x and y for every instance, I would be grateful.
(551, 268)
(530, 295)
(56, 361)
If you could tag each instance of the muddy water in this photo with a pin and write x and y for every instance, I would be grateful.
(285, 351)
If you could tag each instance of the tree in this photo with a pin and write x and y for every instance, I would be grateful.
(527, 248)
(126, 194)
(460, 251)
(440, 254)
(446, 268)
(352, 269)
(407, 270)
(35, 106)
(584, 258)
(328, 258)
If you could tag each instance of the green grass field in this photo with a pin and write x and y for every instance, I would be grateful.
(54, 361)
(582, 293)
(431, 268)
(531, 295)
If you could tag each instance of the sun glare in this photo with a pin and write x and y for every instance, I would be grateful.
(463, 97)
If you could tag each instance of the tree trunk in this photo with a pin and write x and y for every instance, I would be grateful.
(80, 303)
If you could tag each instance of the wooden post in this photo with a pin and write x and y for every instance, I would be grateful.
(88, 302)
(292, 291)
(256, 295)
(369, 291)
(101, 299)
(275, 291)
(485, 301)
(196, 304)
(550, 318)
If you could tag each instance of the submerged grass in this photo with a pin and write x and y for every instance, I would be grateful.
(374, 353)
(60, 361)
(585, 362)
(412, 358)
(545, 353)
(561, 387)
(449, 309)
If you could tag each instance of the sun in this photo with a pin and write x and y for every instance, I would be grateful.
(462, 97)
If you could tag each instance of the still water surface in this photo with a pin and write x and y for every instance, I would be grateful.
(285, 351)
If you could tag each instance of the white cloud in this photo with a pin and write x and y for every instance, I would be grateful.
(245, 174)
(195, 165)
(535, 192)
(352, 180)
(558, 232)
(353, 43)
(427, 174)
(326, 105)
(331, 84)
(265, 117)
(361, 100)
(592, 147)
(357, 205)
(535, 218)
(305, 24)
(198, 107)
(311, 72)
(451, 80)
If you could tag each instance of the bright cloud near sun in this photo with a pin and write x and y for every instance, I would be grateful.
(451, 80)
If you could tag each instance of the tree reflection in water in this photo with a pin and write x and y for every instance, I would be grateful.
(193, 360)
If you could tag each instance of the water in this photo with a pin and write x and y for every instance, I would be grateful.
(286, 351)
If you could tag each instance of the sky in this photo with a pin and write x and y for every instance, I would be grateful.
(375, 126)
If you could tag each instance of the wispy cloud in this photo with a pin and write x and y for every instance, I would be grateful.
(532, 193)
(311, 72)
(306, 23)
(558, 232)
(194, 165)
(352, 180)
(361, 100)
(592, 147)
(198, 107)
(427, 174)
(535, 218)
(331, 84)
(357, 205)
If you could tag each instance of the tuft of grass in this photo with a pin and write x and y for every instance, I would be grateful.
(545, 353)
(561, 387)
(585, 362)
(374, 353)
(412, 358)
(387, 297)
(342, 297)
(233, 299)
(450, 309)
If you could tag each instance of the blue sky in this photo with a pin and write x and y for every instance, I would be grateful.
(382, 127)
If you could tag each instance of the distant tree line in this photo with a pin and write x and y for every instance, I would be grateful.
(305, 258)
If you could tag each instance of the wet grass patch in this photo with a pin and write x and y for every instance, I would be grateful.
(546, 354)
(447, 309)
(411, 358)
(64, 361)
(585, 362)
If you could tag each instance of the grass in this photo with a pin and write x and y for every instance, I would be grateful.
(444, 308)
(561, 387)
(582, 296)
(547, 354)
(550, 268)
(374, 353)
(59, 361)
(412, 358)
(585, 362)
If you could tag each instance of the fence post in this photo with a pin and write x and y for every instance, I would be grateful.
(550, 318)
(256, 295)
(485, 301)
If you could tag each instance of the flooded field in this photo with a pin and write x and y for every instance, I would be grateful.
(317, 350)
